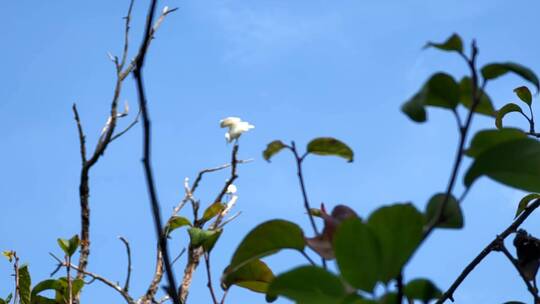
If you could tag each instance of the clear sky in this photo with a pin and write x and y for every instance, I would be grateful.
(296, 70)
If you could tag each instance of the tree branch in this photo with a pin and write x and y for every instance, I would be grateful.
(209, 276)
(487, 250)
(128, 252)
(162, 239)
(502, 248)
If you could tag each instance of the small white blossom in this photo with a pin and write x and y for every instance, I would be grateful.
(236, 127)
(165, 10)
(231, 189)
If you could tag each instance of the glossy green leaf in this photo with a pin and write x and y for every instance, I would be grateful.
(330, 146)
(176, 222)
(358, 254)
(308, 285)
(399, 231)
(25, 283)
(524, 94)
(266, 239)
(441, 90)
(487, 139)
(452, 216)
(485, 106)
(421, 289)
(212, 211)
(272, 149)
(495, 70)
(507, 108)
(525, 202)
(206, 238)
(515, 163)
(453, 43)
(389, 298)
(255, 276)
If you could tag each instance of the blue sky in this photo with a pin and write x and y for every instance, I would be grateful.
(296, 70)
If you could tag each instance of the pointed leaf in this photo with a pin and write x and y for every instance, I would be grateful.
(524, 94)
(414, 108)
(495, 70)
(484, 107)
(46, 285)
(73, 244)
(515, 163)
(330, 146)
(453, 43)
(358, 254)
(25, 283)
(64, 245)
(507, 108)
(9, 254)
(486, 139)
(212, 211)
(205, 238)
(525, 202)
(176, 222)
(399, 231)
(266, 239)
(272, 149)
(452, 216)
(255, 276)
(308, 285)
(422, 289)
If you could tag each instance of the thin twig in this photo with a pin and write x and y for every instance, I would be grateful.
(209, 276)
(128, 252)
(502, 248)
(179, 256)
(399, 287)
(308, 258)
(131, 125)
(225, 292)
(488, 249)
(148, 33)
(82, 137)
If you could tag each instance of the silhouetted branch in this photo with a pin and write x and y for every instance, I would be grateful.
(487, 250)
(502, 248)
(162, 239)
(128, 252)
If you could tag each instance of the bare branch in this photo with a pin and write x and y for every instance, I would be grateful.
(131, 125)
(128, 252)
(148, 34)
(487, 250)
(82, 138)
(209, 276)
(502, 248)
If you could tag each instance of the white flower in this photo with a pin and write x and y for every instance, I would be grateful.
(236, 127)
(231, 189)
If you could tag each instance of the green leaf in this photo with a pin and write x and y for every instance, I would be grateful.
(485, 106)
(44, 300)
(358, 254)
(451, 217)
(525, 202)
(176, 222)
(515, 163)
(389, 298)
(308, 285)
(255, 276)
(453, 43)
(25, 283)
(421, 289)
(69, 246)
(205, 238)
(330, 146)
(507, 108)
(414, 108)
(46, 285)
(399, 231)
(495, 70)
(266, 239)
(212, 211)
(441, 90)
(524, 94)
(272, 149)
(487, 139)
